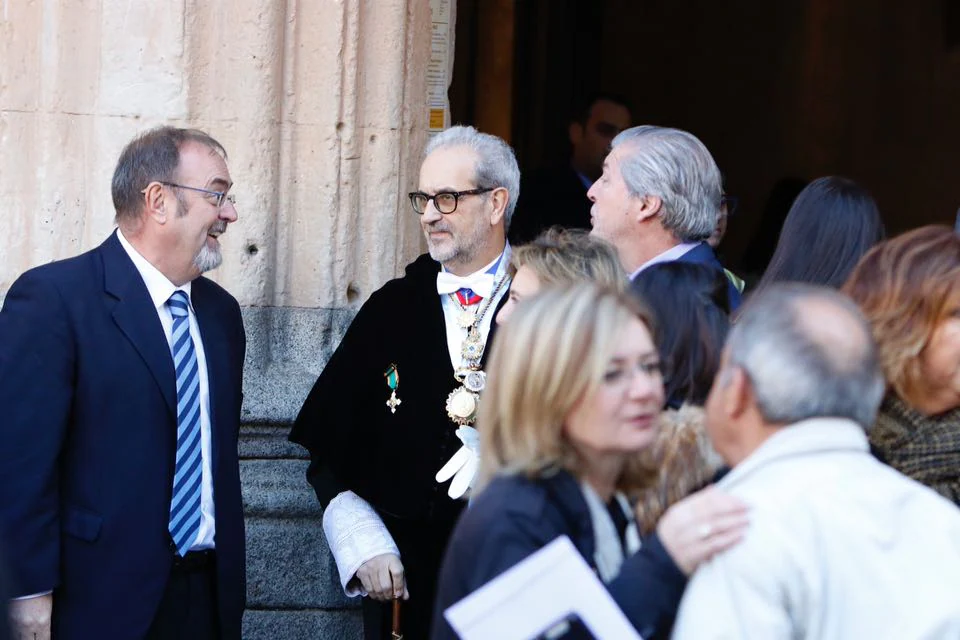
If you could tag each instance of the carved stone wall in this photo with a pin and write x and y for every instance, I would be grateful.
(321, 105)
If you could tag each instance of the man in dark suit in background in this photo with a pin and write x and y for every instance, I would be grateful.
(557, 195)
(120, 382)
(658, 200)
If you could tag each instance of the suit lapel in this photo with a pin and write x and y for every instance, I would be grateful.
(137, 318)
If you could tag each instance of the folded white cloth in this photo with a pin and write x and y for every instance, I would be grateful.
(480, 283)
(463, 465)
(355, 533)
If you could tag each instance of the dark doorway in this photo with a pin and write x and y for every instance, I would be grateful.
(868, 89)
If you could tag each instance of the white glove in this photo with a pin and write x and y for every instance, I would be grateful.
(463, 465)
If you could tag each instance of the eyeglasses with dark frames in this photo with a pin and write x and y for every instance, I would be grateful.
(221, 196)
(445, 201)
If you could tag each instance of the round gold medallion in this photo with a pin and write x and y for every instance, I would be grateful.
(462, 406)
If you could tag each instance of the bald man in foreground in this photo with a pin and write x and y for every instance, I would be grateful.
(839, 545)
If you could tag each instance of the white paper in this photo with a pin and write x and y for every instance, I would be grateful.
(531, 597)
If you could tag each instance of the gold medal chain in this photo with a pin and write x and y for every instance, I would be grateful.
(478, 318)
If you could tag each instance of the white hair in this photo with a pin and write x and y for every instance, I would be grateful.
(496, 163)
(677, 168)
(800, 368)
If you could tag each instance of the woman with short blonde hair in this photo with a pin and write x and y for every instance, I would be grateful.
(574, 394)
(909, 290)
(561, 257)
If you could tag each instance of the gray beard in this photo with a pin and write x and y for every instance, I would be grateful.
(460, 251)
(442, 255)
(208, 259)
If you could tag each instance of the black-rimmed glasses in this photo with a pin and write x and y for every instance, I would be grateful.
(445, 201)
(221, 196)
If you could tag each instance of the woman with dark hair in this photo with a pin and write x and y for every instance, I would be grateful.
(759, 251)
(692, 312)
(691, 309)
(831, 225)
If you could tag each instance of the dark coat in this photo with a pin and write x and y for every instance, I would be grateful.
(88, 393)
(548, 197)
(390, 459)
(516, 516)
(703, 253)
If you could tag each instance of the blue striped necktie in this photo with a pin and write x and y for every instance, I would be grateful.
(185, 502)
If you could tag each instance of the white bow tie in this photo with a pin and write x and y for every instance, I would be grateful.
(480, 283)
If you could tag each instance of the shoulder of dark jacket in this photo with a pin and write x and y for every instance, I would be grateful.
(546, 502)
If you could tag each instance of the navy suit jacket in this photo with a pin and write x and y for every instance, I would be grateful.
(88, 400)
(703, 253)
(514, 516)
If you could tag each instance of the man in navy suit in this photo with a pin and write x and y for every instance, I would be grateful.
(658, 200)
(120, 386)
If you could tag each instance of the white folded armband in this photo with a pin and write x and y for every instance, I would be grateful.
(355, 533)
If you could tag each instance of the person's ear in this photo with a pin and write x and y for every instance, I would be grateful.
(649, 207)
(155, 202)
(499, 198)
(738, 393)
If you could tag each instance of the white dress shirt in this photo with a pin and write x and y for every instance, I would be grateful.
(839, 546)
(354, 531)
(671, 254)
(160, 289)
(451, 311)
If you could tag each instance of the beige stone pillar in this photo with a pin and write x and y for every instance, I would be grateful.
(320, 103)
(322, 106)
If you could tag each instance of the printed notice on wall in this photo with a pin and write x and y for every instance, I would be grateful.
(440, 66)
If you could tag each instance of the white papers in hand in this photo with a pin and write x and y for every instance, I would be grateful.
(532, 597)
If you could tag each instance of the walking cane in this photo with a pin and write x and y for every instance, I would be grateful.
(396, 635)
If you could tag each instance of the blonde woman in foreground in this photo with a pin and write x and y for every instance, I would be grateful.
(574, 395)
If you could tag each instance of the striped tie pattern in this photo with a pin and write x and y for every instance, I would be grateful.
(185, 503)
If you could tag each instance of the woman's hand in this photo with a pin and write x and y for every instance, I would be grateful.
(701, 525)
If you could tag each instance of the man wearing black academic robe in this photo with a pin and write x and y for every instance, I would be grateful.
(390, 459)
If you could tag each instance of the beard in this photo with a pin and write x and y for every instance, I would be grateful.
(208, 259)
(457, 247)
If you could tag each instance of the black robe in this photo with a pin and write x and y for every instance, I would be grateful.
(390, 459)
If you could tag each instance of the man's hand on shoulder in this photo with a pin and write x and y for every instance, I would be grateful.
(30, 617)
(382, 577)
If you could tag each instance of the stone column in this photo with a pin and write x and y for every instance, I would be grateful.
(321, 105)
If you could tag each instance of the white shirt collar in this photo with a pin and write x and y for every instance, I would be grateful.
(671, 254)
(158, 286)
